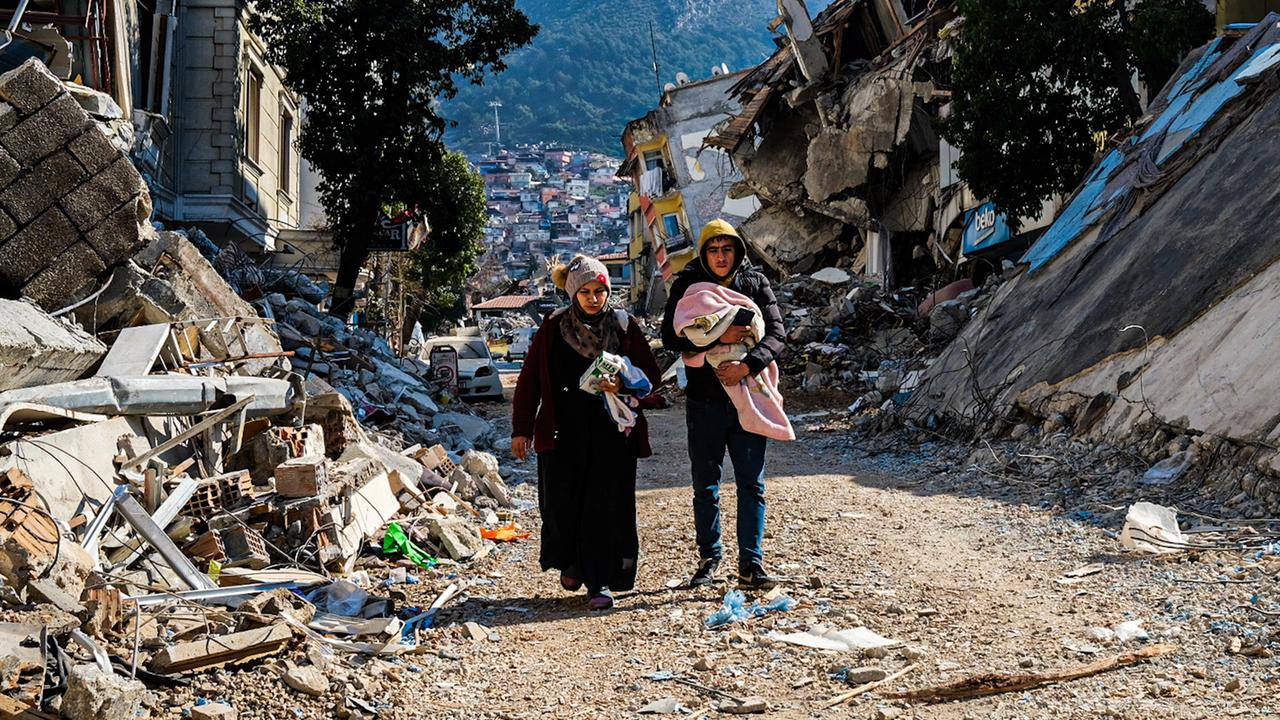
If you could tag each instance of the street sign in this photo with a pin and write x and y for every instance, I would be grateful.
(444, 366)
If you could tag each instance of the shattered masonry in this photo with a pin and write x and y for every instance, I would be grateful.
(73, 205)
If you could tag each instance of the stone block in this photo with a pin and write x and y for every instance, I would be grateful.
(29, 251)
(53, 126)
(76, 267)
(213, 711)
(301, 477)
(29, 87)
(8, 116)
(98, 198)
(9, 168)
(125, 231)
(95, 695)
(94, 150)
(33, 192)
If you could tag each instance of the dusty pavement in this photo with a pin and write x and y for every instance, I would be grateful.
(968, 583)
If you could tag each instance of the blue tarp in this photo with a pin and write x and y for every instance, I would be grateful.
(1192, 105)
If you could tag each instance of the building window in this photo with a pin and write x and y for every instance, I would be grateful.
(286, 151)
(652, 159)
(252, 112)
(671, 224)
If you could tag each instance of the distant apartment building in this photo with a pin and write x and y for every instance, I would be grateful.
(679, 184)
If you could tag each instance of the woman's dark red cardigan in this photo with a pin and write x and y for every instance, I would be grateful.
(533, 407)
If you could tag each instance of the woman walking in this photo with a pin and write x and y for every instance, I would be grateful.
(586, 452)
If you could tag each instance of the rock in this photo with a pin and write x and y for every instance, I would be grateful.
(458, 537)
(914, 653)
(832, 276)
(862, 675)
(476, 631)
(471, 427)
(307, 679)
(665, 706)
(884, 712)
(1027, 662)
(704, 664)
(480, 463)
(464, 485)
(1235, 685)
(213, 711)
(948, 318)
(94, 695)
(748, 706)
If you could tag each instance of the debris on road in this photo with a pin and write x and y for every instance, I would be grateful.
(995, 683)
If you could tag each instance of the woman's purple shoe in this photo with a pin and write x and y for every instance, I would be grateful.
(602, 599)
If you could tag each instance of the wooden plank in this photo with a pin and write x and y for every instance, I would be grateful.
(997, 683)
(222, 650)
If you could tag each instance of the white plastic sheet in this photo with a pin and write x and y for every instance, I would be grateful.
(1152, 528)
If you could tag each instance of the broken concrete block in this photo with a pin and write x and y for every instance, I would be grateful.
(301, 477)
(77, 267)
(222, 649)
(39, 188)
(479, 463)
(789, 242)
(306, 679)
(332, 412)
(268, 450)
(29, 86)
(93, 149)
(948, 318)
(213, 711)
(36, 349)
(50, 128)
(471, 427)
(94, 200)
(458, 537)
(27, 252)
(124, 231)
(95, 695)
(464, 486)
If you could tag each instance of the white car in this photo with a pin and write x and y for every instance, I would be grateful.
(477, 374)
(521, 338)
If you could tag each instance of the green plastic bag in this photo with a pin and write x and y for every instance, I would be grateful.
(395, 541)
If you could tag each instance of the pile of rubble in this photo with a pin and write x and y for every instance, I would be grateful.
(181, 485)
(848, 333)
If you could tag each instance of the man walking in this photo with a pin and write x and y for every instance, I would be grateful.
(711, 417)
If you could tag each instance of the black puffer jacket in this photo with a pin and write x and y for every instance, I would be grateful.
(703, 383)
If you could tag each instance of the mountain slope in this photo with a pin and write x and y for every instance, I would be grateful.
(590, 69)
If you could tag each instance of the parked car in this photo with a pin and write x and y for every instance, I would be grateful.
(477, 374)
(521, 338)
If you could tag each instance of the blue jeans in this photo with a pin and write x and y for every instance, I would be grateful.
(714, 428)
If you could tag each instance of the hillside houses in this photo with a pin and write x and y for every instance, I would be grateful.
(546, 205)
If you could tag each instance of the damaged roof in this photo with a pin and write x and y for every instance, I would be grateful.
(1181, 125)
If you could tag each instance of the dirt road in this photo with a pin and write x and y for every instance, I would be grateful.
(968, 583)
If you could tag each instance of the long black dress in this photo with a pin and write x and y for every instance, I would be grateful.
(587, 485)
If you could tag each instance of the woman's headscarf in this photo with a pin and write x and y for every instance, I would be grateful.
(588, 335)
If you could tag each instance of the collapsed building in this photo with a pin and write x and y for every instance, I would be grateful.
(1144, 316)
(182, 430)
(836, 138)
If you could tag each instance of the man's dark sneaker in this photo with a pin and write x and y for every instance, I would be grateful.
(706, 572)
(755, 578)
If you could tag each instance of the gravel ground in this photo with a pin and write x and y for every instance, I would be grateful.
(964, 568)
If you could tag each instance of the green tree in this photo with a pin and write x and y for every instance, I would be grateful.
(436, 273)
(372, 73)
(1035, 82)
